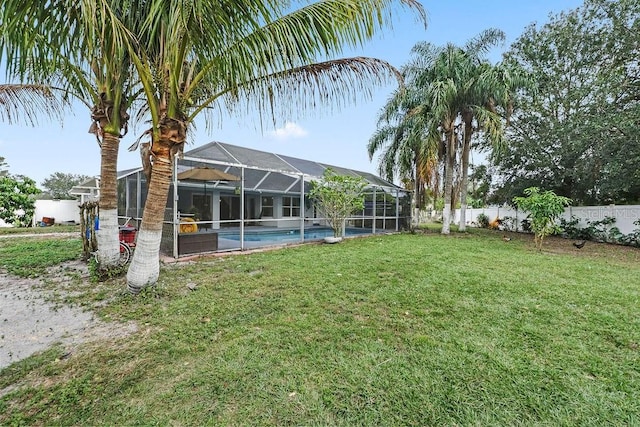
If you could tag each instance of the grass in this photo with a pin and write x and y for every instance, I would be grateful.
(394, 330)
(40, 230)
(31, 256)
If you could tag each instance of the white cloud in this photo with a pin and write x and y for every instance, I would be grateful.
(289, 131)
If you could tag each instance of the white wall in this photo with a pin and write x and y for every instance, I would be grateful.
(624, 215)
(61, 210)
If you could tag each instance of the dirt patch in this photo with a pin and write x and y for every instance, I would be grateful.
(31, 322)
(559, 245)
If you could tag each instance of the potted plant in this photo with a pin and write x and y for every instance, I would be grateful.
(337, 197)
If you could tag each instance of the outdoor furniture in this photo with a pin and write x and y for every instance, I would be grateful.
(191, 243)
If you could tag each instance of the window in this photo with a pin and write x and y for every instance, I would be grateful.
(290, 206)
(267, 206)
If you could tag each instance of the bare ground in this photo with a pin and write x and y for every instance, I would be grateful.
(30, 320)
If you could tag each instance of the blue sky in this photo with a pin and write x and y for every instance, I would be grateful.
(334, 137)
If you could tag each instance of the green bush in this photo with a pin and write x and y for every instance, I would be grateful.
(482, 220)
(600, 231)
(544, 208)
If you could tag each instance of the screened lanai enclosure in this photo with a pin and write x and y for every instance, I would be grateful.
(226, 198)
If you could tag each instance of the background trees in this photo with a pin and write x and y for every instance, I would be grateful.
(58, 184)
(452, 93)
(578, 136)
(17, 201)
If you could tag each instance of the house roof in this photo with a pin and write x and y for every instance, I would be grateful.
(87, 187)
(264, 171)
(269, 171)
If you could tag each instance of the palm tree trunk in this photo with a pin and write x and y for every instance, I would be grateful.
(145, 265)
(466, 148)
(448, 182)
(416, 193)
(107, 234)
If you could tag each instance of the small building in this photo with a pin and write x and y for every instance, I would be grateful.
(87, 191)
(224, 197)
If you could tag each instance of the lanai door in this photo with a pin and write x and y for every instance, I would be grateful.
(229, 209)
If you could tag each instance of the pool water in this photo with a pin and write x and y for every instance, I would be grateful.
(290, 235)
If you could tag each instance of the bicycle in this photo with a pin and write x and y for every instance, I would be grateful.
(127, 235)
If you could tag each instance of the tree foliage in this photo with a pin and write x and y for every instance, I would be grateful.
(58, 184)
(480, 181)
(544, 208)
(452, 94)
(4, 171)
(17, 202)
(578, 136)
(338, 196)
(28, 103)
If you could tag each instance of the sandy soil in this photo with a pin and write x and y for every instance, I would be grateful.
(29, 322)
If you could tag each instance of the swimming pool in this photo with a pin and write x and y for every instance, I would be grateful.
(289, 235)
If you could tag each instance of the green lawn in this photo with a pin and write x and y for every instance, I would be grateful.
(412, 329)
(40, 230)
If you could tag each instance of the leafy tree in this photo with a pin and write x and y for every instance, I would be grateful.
(480, 185)
(17, 204)
(338, 196)
(578, 135)
(263, 55)
(544, 208)
(59, 184)
(3, 165)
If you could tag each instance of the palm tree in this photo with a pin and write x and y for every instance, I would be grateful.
(460, 92)
(76, 48)
(257, 54)
(401, 138)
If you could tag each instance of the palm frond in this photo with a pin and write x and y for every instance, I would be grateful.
(28, 103)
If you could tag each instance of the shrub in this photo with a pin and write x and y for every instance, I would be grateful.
(482, 220)
(571, 230)
(509, 223)
(544, 208)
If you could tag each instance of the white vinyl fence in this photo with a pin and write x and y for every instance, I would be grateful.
(624, 215)
(61, 210)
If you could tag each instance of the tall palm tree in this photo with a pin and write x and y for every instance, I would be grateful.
(263, 55)
(74, 46)
(460, 90)
(401, 139)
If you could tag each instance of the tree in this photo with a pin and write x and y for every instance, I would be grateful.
(453, 92)
(3, 164)
(578, 135)
(260, 55)
(338, 196)
(59, 184)
(480, 185)
(544, 208)
(405, 151)
(17, 204)
(77, 47)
